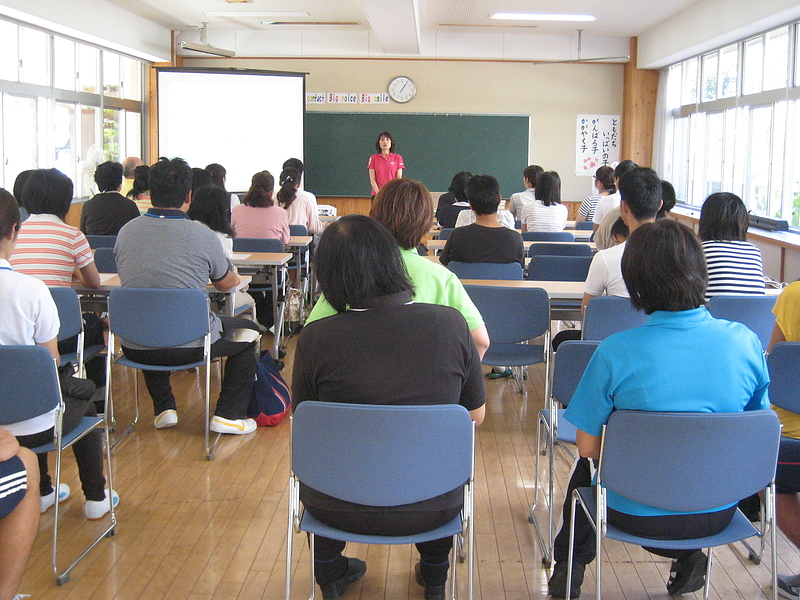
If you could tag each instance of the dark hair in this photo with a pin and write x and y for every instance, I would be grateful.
(458, 185)
(724, 218)
(170, 182)
(668, 199)
(294, 163)
(664, 267)
(385, 134)
(9, 214)
(200, 178)
(357, 259)
(405, 208)
(141, 181)
(619, 228)
(47, 191)
(640, 190)
(624, 167)
(108, 176)
(548, 188)
(218, 173)
(19, 184)
(211, 205)
(605, 175)
(289, 179)
(483, 193)
(532, 174)
(260, 193)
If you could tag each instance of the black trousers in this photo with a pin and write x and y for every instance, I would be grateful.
(92, 335)
(329, 564)
(237, 382)
(661, 527)
(88, 451)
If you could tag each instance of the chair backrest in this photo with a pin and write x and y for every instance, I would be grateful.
(511, 314)
(551, 267)
(298, 230)
(257, 245)
(569, 364)
(517, 224)
(158, 318)
(551, 249)
(382, 455)
(69, 312)
(784, 376)
(101, 241)
(548, 236)
(689, 462)
(609, 314)
(584, 226)
(506, 271)
(445, 232)
(753, 311)
(104, 260)
(29, 384)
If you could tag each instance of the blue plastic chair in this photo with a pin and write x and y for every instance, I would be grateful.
(445, 232)
(101, 241)
(104, 260)
(609, 314)
(29, 387)
(552, 267)
(257, 245)
(504, 271)
(548, 236)
(71, 325)
(584, 225)
(514, 315)
(159, 318)
(754, 311)
(411, 454)
(550, 249)
(569, 364)
(684, 462)
(263, 245)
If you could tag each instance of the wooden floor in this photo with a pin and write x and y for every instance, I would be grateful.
(189, 529)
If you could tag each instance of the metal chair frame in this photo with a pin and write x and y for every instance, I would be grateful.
(71, 324)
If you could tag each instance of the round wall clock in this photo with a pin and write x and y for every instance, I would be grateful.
(402, 89)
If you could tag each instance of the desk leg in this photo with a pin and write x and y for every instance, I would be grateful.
(277, 311)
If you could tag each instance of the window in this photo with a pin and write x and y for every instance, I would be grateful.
(9, 51)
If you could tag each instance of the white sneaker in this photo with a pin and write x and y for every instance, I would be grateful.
(46, 502)
(235, 426)
(166, 419)
(96, 509)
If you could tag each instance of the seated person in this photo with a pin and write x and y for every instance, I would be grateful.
(619, 232)
(28, 316)
(454, 201)
(518, 201)
(604, 184)
(681, 360)
(606, 203)
(108, 211)
(19, 511)
(545, 213)
(345, 358)
(734, 264)
(668, 199)
(129, 166)
(405, 208)
(165, 249)
(486, 240)
(258, 216)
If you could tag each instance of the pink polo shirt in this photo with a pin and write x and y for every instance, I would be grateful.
(385, 167)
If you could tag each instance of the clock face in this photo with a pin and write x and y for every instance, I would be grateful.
(402, 89)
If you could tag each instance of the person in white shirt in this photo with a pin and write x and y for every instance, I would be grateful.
(300, 206)
(605, 186)
(608, 202)
(545, 213)
(467, 217)
(519, 200)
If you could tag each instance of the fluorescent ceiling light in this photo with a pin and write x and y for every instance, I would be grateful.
(542, 17)
(256, 13)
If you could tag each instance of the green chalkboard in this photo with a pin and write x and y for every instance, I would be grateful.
(434, 147)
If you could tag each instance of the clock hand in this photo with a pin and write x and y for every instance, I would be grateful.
(402, 88)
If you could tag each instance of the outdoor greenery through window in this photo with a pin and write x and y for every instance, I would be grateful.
(733, 124)
(65, 104)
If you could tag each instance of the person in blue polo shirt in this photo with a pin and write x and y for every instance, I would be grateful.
(681, 359)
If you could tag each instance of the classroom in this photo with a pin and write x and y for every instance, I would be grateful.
(705, 92)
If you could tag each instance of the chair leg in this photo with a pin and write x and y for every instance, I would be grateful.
(546, 545)
(209, 448)
(707, 584)
(136, 415)
(311, 558)
(289, 540)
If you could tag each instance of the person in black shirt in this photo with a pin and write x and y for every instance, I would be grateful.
(108, 211)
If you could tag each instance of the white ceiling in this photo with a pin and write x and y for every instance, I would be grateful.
(426, 28)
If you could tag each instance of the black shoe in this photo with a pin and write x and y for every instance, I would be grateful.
(557, 586)
(687, 574)
(355, 571)
(432, 592)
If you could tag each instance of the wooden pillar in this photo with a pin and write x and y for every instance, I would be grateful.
(638, 111)
(151, 149)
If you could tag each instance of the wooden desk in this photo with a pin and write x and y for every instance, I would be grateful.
(556, 290)
(439, 244)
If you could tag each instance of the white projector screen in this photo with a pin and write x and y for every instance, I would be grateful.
(246, 121)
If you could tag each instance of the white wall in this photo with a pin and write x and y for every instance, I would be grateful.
(710, 24)
(95, 21)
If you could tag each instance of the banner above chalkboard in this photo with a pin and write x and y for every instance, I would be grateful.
(597, 142)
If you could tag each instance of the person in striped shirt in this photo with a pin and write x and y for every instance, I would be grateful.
(734, 264)
(546, 213)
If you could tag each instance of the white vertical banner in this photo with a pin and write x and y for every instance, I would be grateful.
(597, 142)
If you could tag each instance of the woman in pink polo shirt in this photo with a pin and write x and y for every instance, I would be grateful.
(385, 165)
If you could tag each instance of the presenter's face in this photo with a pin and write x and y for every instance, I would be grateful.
(386, 144)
